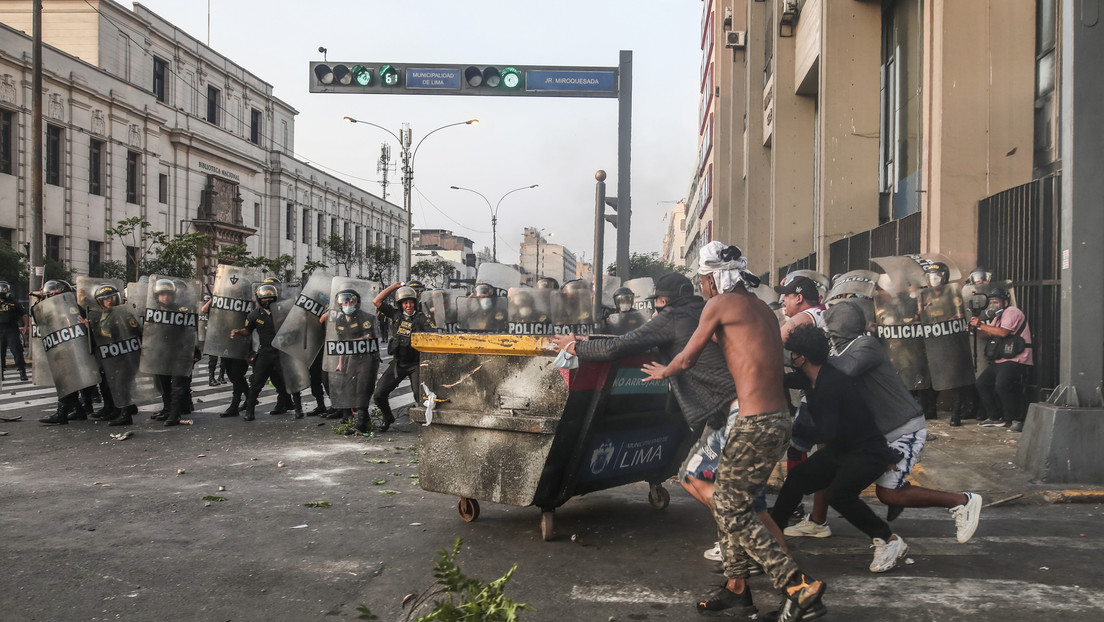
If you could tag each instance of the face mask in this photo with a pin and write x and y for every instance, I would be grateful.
(935, 280)
(348, 310)
(486, 304)
(265, 304)
(408, 314)
(525, 311)
(624, 306)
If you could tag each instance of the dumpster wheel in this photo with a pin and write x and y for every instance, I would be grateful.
(547, 525)
(659, 497)
(468, 509)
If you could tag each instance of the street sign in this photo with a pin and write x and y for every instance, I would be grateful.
(538, 80)
(438, 79)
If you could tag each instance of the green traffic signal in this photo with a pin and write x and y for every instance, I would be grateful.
(389, 75)
(511, 79)
(362, 75)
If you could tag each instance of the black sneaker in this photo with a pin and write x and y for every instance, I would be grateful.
(800, 598)
(816, 611)
(725, 602)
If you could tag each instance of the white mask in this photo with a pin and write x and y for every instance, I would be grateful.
(348, 310)
(486, 304)
(625, 306)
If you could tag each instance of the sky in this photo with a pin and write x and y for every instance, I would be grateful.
(558, 143)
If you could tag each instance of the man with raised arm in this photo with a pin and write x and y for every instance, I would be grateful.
(747, 331)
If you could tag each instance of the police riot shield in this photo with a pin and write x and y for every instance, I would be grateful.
(231, 302)
(135, 298)
(351, 348)
(40, 369)
(823, 283)
(897, 307)
(482, 315)
(946, 337)
(858, 286)
(169, 328)
(622, 322)
(301, 334)
(530, 310)
(86, 291)
(642, 288)
(610, 284)
(66, 344)
(117, 338)
(500, 275)
(442, 308)
(576, 309)
(296, 372)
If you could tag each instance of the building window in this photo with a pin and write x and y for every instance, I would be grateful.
(54, 135)
(132, 177)
(255, 126)
(356, 239)
(95, 167)
(321, 229)
(257, 215)
(7, 236)
(132, 255)
(95, 256)
(162, 188)
(213, 105)
(159, 71)
(53, 247)
(289, 221)
(7, 127)
(305, 236)
(333, 226)
(902, 93)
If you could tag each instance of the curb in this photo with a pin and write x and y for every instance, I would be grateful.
(1072, 496)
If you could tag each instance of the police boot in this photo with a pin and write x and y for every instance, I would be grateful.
(60, 416)
(23, 374)
(232, 411)
(161, 414)
(319, 409)
(80, 409)
(956, 420)
(297, 403)
(281, 405)
(104, 413)
(211, 382)
(96, 397)
(363, 421)
(173, 416)
(124, 416)
(388, 419)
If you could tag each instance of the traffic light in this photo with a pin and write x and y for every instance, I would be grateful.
(492, 77)
(334, 76)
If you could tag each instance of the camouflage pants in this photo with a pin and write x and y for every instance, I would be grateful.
(755, 444)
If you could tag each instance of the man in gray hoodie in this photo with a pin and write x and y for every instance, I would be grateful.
(898, 416)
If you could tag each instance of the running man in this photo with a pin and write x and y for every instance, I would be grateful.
(747, 331)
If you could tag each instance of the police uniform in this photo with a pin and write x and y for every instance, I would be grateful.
(404, 360)
(266, 363)
(176, 391)
(11, 319)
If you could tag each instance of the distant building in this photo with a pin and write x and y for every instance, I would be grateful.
(540, 259)
(442, 244)
(144, 120)
(583, 269)
(674, 240)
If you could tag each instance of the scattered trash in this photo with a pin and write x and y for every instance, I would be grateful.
(180, 471)
(317, 504)
(12, 418)
(909, 561)
(185, 422)
(214, 498)
(201, 456)
(419, 525)
(577, 540)
(221, 488)
(389, 492)
(1043, 568)
(299, 527)
(3, 433)
(407, 599)
(379, 461)
(122, 436)
(280, 465)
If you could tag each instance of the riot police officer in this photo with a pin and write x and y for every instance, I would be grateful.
(408, 319)
(266, 364)
(117, 334)
(624, 318)
(487, 316)
(14, 323)
(175, 387)
(353, 375)
(69, 407)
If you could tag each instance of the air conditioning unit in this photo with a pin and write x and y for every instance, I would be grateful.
(736, 39)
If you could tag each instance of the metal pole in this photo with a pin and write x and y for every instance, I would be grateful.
(494, 235)
(599, 238)
(35, 228)
(408, 183)
(624, 161)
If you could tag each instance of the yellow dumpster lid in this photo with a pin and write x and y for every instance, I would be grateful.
(469, 343)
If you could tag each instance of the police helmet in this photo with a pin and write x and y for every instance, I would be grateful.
(108, 292)
(484, 290)
(55, 287)
(416, 285)
(267, 292)
(939, 268)
(405, 293)
(548, 283)
(348, 296)
(270, 280)
(575, 287)
(622, 295)
(980, 274)
(1000, 293)
(5, 289)
(164, 286)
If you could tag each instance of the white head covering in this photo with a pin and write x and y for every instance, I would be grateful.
(728, 266)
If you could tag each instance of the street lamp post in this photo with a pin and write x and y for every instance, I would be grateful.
(494, 215)
(408, 155)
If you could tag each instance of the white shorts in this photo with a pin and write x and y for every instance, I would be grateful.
(910, 445)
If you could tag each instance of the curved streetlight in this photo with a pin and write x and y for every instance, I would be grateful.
(494, 214)
(408, 171)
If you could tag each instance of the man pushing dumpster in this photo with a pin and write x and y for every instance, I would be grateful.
(747, 331)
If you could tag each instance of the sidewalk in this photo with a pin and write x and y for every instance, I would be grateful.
(979, 459)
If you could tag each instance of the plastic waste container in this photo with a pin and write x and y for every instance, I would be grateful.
(508, 426)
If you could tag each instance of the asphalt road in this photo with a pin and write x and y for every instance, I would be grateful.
(99, 529)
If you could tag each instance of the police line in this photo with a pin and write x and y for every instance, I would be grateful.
(923, 331)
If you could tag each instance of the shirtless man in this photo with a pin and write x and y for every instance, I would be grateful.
(747, 331)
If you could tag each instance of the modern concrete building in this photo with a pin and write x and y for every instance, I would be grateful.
(443, 245)
(143, 120)
(674, 251)
(539, 258)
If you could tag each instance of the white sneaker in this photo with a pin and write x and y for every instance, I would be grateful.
(713, 554)
(966, 517)
(807, 528)
(888, 553)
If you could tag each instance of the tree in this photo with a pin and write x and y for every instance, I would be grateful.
(155, 252)
(110, 269)
(647, 264)
(13, 265)
(340, 252)
(239, 255)
(311, 266)
(379, 262)
(56, 270)
(434, 270)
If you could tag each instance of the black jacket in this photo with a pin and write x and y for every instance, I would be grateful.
(705, 391)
